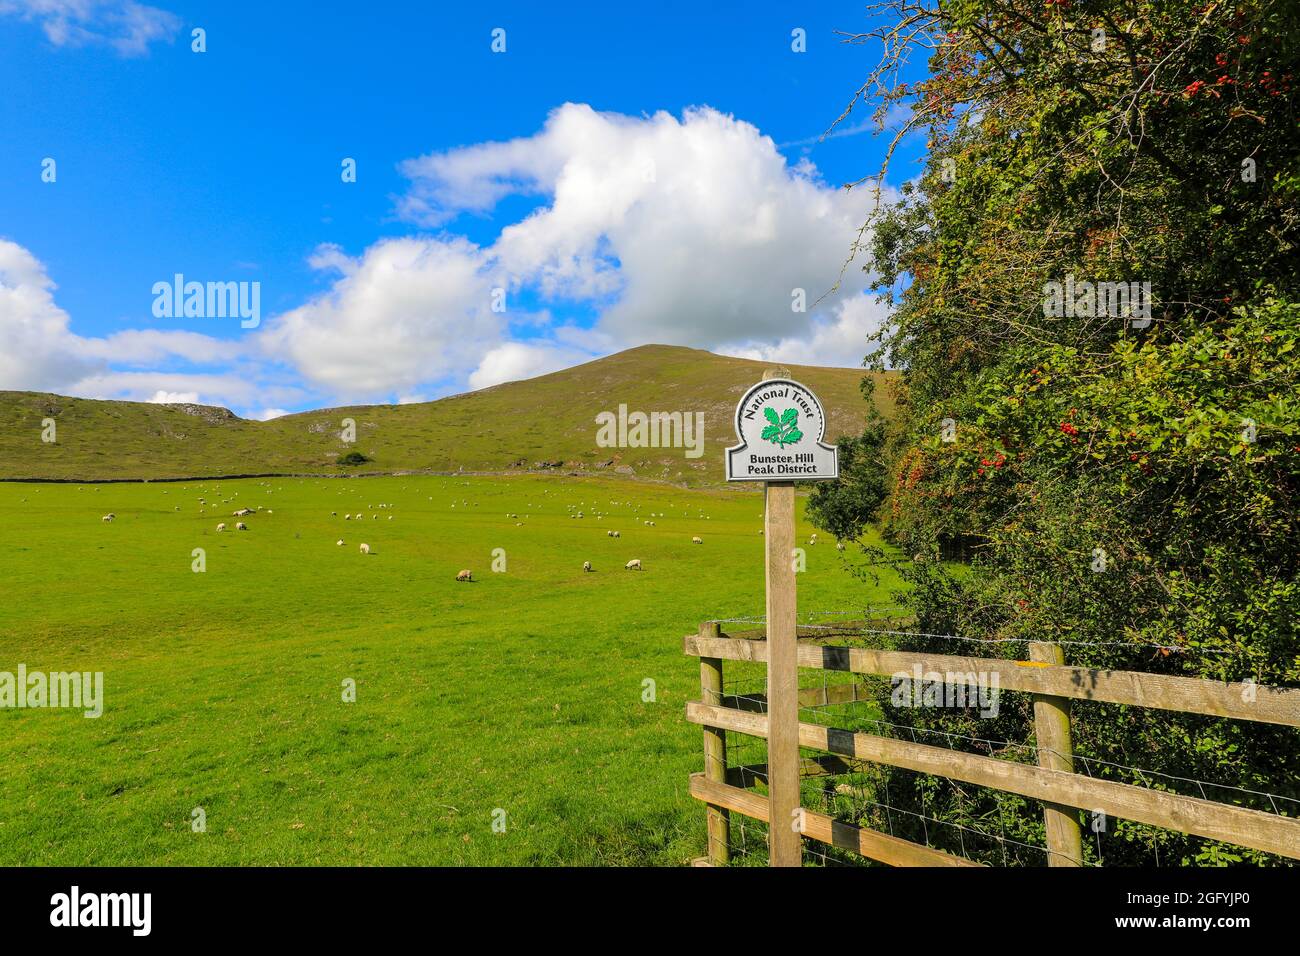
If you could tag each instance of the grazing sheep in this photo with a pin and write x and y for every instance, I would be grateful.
(813, 539)
(839, 545)
(586, 565)
(365, 548)
(616, 534)
(633, 565)
(465, 575)
(243, 511)
(339, 542)
(347, 517)
(334, 514)
(609, 534)
(697, 540)
(240, 526)
(108, 517)
(222, 526)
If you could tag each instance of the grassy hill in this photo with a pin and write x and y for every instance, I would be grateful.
(541, 423)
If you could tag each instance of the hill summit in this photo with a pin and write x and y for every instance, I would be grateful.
(543, 423)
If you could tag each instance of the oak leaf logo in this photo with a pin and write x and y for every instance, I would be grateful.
(783, 429)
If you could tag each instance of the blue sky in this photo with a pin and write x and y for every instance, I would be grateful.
(677, 197)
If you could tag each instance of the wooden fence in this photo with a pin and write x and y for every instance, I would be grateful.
(1053, 781)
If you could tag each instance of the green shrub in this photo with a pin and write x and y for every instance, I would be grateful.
(1131, 486)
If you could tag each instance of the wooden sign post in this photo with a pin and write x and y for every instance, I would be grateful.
(780, 426)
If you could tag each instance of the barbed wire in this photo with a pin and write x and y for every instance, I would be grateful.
(987, 834)
(1037, 750)
(761, 620)
(991, 744)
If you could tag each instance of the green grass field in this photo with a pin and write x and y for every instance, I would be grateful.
(521, 691)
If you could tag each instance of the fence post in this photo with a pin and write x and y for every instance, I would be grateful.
(715, 752)
(785, 844)
(1055, 752)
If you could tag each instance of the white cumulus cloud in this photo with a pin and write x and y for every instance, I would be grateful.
(40, 352)
(161, 397)
(519, 360)
(692, 231)
(406, 312)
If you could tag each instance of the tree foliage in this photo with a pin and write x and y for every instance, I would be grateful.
(1132, 484)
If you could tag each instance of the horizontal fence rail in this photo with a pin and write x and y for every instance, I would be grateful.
(1249, 828)
(1257, 702)
(1052, 781)
(865, 842)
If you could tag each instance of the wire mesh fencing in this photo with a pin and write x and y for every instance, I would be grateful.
(983, 824)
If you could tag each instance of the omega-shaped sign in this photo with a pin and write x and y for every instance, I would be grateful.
(780, 426)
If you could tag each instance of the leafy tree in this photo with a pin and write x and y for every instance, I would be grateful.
(352, 458)
(846, 507)
(1131, 474)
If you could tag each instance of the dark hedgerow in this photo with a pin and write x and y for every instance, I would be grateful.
(352, 458)
(1131, 476)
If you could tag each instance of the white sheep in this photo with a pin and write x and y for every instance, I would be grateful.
(240, 526)
(365, 548)
(339, 542)
(108, 517)
(697, 540)
(465, 575)
(633, 565)
(222, 526)
(586, 565)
